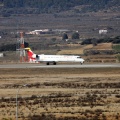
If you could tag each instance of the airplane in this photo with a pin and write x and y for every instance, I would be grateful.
(52, 58)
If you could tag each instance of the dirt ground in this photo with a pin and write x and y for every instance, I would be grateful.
(60, 94)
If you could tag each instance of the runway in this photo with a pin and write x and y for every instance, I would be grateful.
(37, 65)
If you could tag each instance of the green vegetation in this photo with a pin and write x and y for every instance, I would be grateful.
(65, 36)
(10, 47)
(116, 47)
(115, 40)
(75, 35)
(118, 57)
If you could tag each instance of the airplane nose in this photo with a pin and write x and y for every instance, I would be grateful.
(83, 60)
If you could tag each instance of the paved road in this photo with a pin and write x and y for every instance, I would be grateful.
(36, 65)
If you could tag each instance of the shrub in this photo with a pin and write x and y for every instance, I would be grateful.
(118, 57)
(75, 35)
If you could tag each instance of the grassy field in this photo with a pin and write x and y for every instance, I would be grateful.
(60, 94)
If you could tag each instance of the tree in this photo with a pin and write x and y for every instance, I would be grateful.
(53, 39)
(65, 36)
(94, 42)
(26, 44)
(75, 35)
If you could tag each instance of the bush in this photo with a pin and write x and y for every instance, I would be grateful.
(8, 47)
(116, 48)
(65, 36)
(75, 35)
(118, 57)
(87, 41)
(93, 41)
(6, 14)
(116, 41)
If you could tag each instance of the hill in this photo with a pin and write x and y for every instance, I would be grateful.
(54, 6)
(85, 16)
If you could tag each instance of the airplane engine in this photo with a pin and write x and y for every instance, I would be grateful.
(35, 56)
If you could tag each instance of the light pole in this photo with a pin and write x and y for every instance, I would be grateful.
(17, 100)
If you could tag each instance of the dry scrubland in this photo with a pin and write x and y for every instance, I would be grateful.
(61, 94)
(74, 49)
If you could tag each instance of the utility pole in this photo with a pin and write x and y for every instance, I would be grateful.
(17, 100)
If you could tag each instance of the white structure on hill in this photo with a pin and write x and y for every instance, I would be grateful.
(1, 54)
(48, 31)
(37, 32)
(103, 32)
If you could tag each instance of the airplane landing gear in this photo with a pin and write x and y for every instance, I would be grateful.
(54, 63)
(81, 63)
(47, 63)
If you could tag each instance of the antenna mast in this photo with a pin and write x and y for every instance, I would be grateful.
(21, 48)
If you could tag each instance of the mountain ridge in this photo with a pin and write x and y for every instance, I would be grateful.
(55, 6)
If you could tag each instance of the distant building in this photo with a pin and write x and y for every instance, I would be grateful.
(103, 31)
(61, 30)
(48, 31)
(38, 32)
(1, 54)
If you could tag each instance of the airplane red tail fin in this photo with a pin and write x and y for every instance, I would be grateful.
(30, 55)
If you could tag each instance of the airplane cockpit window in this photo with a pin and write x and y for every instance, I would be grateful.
(79, 57)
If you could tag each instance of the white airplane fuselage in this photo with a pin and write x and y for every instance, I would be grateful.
(58, 58)
(53, 58)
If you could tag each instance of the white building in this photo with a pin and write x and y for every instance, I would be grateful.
(1, 54)
(103, 32)
(37, 32)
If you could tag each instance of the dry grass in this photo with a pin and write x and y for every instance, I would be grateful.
(74, 51)
(74, 93)
(103, 46)
(80, 50)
